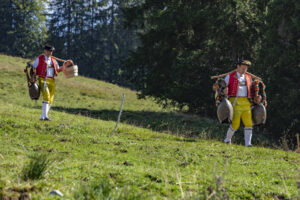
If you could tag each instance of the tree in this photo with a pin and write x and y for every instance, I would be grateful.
(183, 43)
(279, 64)
(23, 27)
(92, 34)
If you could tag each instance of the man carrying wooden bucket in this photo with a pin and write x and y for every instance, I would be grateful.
(46, 67)
(239, 91)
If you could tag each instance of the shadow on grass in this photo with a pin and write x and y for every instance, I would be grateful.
(175, 123)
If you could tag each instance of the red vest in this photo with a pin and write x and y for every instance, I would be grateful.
(233, 84)
(41, 69)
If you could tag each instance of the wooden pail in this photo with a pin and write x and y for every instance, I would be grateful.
(71, 70)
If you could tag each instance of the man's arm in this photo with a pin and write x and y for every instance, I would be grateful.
(34, 66)
(60, 68)
(36, 63)
(225, 91)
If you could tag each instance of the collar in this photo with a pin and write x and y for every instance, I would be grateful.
(239, 75)
(47, 58)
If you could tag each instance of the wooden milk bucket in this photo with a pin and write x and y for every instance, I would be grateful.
(71, 70)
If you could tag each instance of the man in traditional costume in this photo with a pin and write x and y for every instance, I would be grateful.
(46, 67)
(239, 91)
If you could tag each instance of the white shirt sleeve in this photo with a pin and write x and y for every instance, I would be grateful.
(36, 63)
(227, 79)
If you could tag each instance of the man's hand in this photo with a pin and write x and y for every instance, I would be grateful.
(225, 91)
(257, 99)
(63, 67)
(32, 79)
(33, 75)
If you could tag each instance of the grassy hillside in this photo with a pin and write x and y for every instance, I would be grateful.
(155, 153)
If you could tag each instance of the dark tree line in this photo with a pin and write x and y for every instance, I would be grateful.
(91, 33)
(279, 65)
(22, 27)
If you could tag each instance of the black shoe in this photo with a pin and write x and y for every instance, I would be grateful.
(249, 145)
(47, 119)
(229, 142)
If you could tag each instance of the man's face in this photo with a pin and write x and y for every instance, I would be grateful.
(48, 53)
(242, 69)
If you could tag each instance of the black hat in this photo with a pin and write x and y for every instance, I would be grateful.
(49, 47)
(244, 62)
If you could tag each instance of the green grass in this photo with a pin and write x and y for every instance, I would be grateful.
(36, 167)
(155, 154)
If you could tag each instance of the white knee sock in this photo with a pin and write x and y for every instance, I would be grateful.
(248, 136)
(47, 109)
(43, 110)
(229, 135)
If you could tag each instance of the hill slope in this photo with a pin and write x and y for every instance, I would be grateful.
(153, 155)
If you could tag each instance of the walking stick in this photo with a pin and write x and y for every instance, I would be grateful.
(61, 60)
(120, 113)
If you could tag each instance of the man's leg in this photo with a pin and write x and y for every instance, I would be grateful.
(46, 111)
(247, 120)
(229, 135)
(46, 98)
(43, 115)
(51, 88)
(248, 136)
(236, 120)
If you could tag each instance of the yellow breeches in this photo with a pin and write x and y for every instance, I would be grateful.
(48, 92)
(241, 110)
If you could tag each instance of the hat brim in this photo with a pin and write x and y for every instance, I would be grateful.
(49, 49)
(244, 63)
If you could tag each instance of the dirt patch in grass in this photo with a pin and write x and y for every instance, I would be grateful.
(17, 193)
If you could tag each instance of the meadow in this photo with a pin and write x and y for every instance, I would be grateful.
(156, 152)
